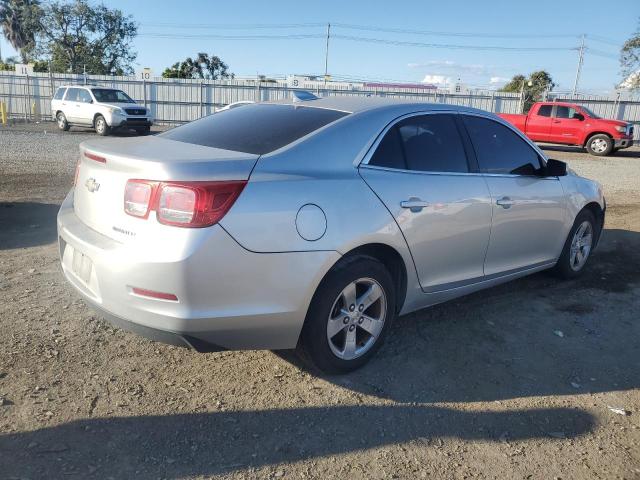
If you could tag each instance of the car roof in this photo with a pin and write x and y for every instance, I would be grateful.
(357, 104)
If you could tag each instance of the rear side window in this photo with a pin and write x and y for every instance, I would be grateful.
(545, 111)
(59, 94)
(389, 153)
(499, 149)
(565, 112)
(256, 129)
(84, 96)
(427, 143)
(73, 95)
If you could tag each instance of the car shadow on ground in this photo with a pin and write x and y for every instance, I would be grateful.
(27, 224)
(177, 446)
(625, 153)
(536, 336)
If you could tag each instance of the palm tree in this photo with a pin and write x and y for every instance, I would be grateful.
(19, 22)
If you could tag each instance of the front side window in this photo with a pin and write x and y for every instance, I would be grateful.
(565, 112)
(59, 94)
(254, 128)
(427, 143)
(545, 110)
(106, 95)
(499, 149)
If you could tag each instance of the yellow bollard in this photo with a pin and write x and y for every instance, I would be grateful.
(3, 113)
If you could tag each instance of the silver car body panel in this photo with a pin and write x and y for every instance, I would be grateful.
(248, 281)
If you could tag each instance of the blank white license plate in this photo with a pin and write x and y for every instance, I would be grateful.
(81, 266)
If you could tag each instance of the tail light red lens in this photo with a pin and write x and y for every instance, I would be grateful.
(182, 204)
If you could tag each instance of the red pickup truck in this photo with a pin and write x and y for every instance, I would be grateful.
(571, 124)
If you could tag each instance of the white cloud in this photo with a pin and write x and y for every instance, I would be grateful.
(498, 80)
(436, 79)
(449, 67)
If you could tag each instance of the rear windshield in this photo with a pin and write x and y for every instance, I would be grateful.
(256, 129)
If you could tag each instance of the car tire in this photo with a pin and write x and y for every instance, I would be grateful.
(600, 145)
(61, 120)
(143, 130)
(577, 248)
(101, 126)
(339, 335)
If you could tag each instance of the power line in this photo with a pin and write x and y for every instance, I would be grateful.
(231, 26)
(451, 46)
(450, 34)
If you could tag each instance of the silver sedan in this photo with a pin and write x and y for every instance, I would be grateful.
(313, 224)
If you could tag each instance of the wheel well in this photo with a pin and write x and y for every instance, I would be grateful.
(598, 213)
(96, 116)
(593, 134)
(392, 260)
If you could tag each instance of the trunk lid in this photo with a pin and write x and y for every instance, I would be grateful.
(101, 180)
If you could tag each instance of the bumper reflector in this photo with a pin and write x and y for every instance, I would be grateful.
(152, 294)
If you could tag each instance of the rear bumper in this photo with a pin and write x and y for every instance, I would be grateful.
(228, 297)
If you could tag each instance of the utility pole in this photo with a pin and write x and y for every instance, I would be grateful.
(580, 62)
(326, 55)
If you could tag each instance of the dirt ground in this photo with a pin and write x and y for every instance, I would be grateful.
(513, 382)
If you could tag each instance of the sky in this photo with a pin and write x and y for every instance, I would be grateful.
(481, 43)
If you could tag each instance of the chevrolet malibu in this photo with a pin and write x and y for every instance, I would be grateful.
(312, 224)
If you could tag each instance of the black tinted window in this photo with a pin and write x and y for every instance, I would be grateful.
(389, 152)
(545, 110)
(59, 93)
(432, 144)
(257, 129)
(499, 149)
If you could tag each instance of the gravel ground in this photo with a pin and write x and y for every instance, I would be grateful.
(513, 382)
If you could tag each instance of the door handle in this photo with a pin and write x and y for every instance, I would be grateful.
(557, 121)
(414, 204)
(505, 202)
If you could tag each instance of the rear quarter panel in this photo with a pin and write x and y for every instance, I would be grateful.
(517, 120)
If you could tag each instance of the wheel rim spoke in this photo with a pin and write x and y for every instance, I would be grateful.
(370, 325)
(369, 297)
(349, 294)
(350, 343)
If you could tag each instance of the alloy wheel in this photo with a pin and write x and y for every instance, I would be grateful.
(581, 246)
(356, 319)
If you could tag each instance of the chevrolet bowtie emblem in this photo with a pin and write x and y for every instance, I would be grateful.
(92, 185)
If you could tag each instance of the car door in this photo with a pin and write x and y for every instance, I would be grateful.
(565, 127)
(71, 105)
(539, 123)
(529, 211)
(84, 107)
(420, 170)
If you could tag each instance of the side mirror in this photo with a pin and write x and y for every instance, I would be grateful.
(555, 168)
(578, 116)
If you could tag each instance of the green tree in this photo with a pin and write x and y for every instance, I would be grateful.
(532, 86)
(20, 22)
(630, 61)
(77, 35)
(203, 66)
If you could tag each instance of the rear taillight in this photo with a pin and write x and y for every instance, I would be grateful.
(181, 204)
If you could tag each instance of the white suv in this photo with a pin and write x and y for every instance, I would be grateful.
(99, 107)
